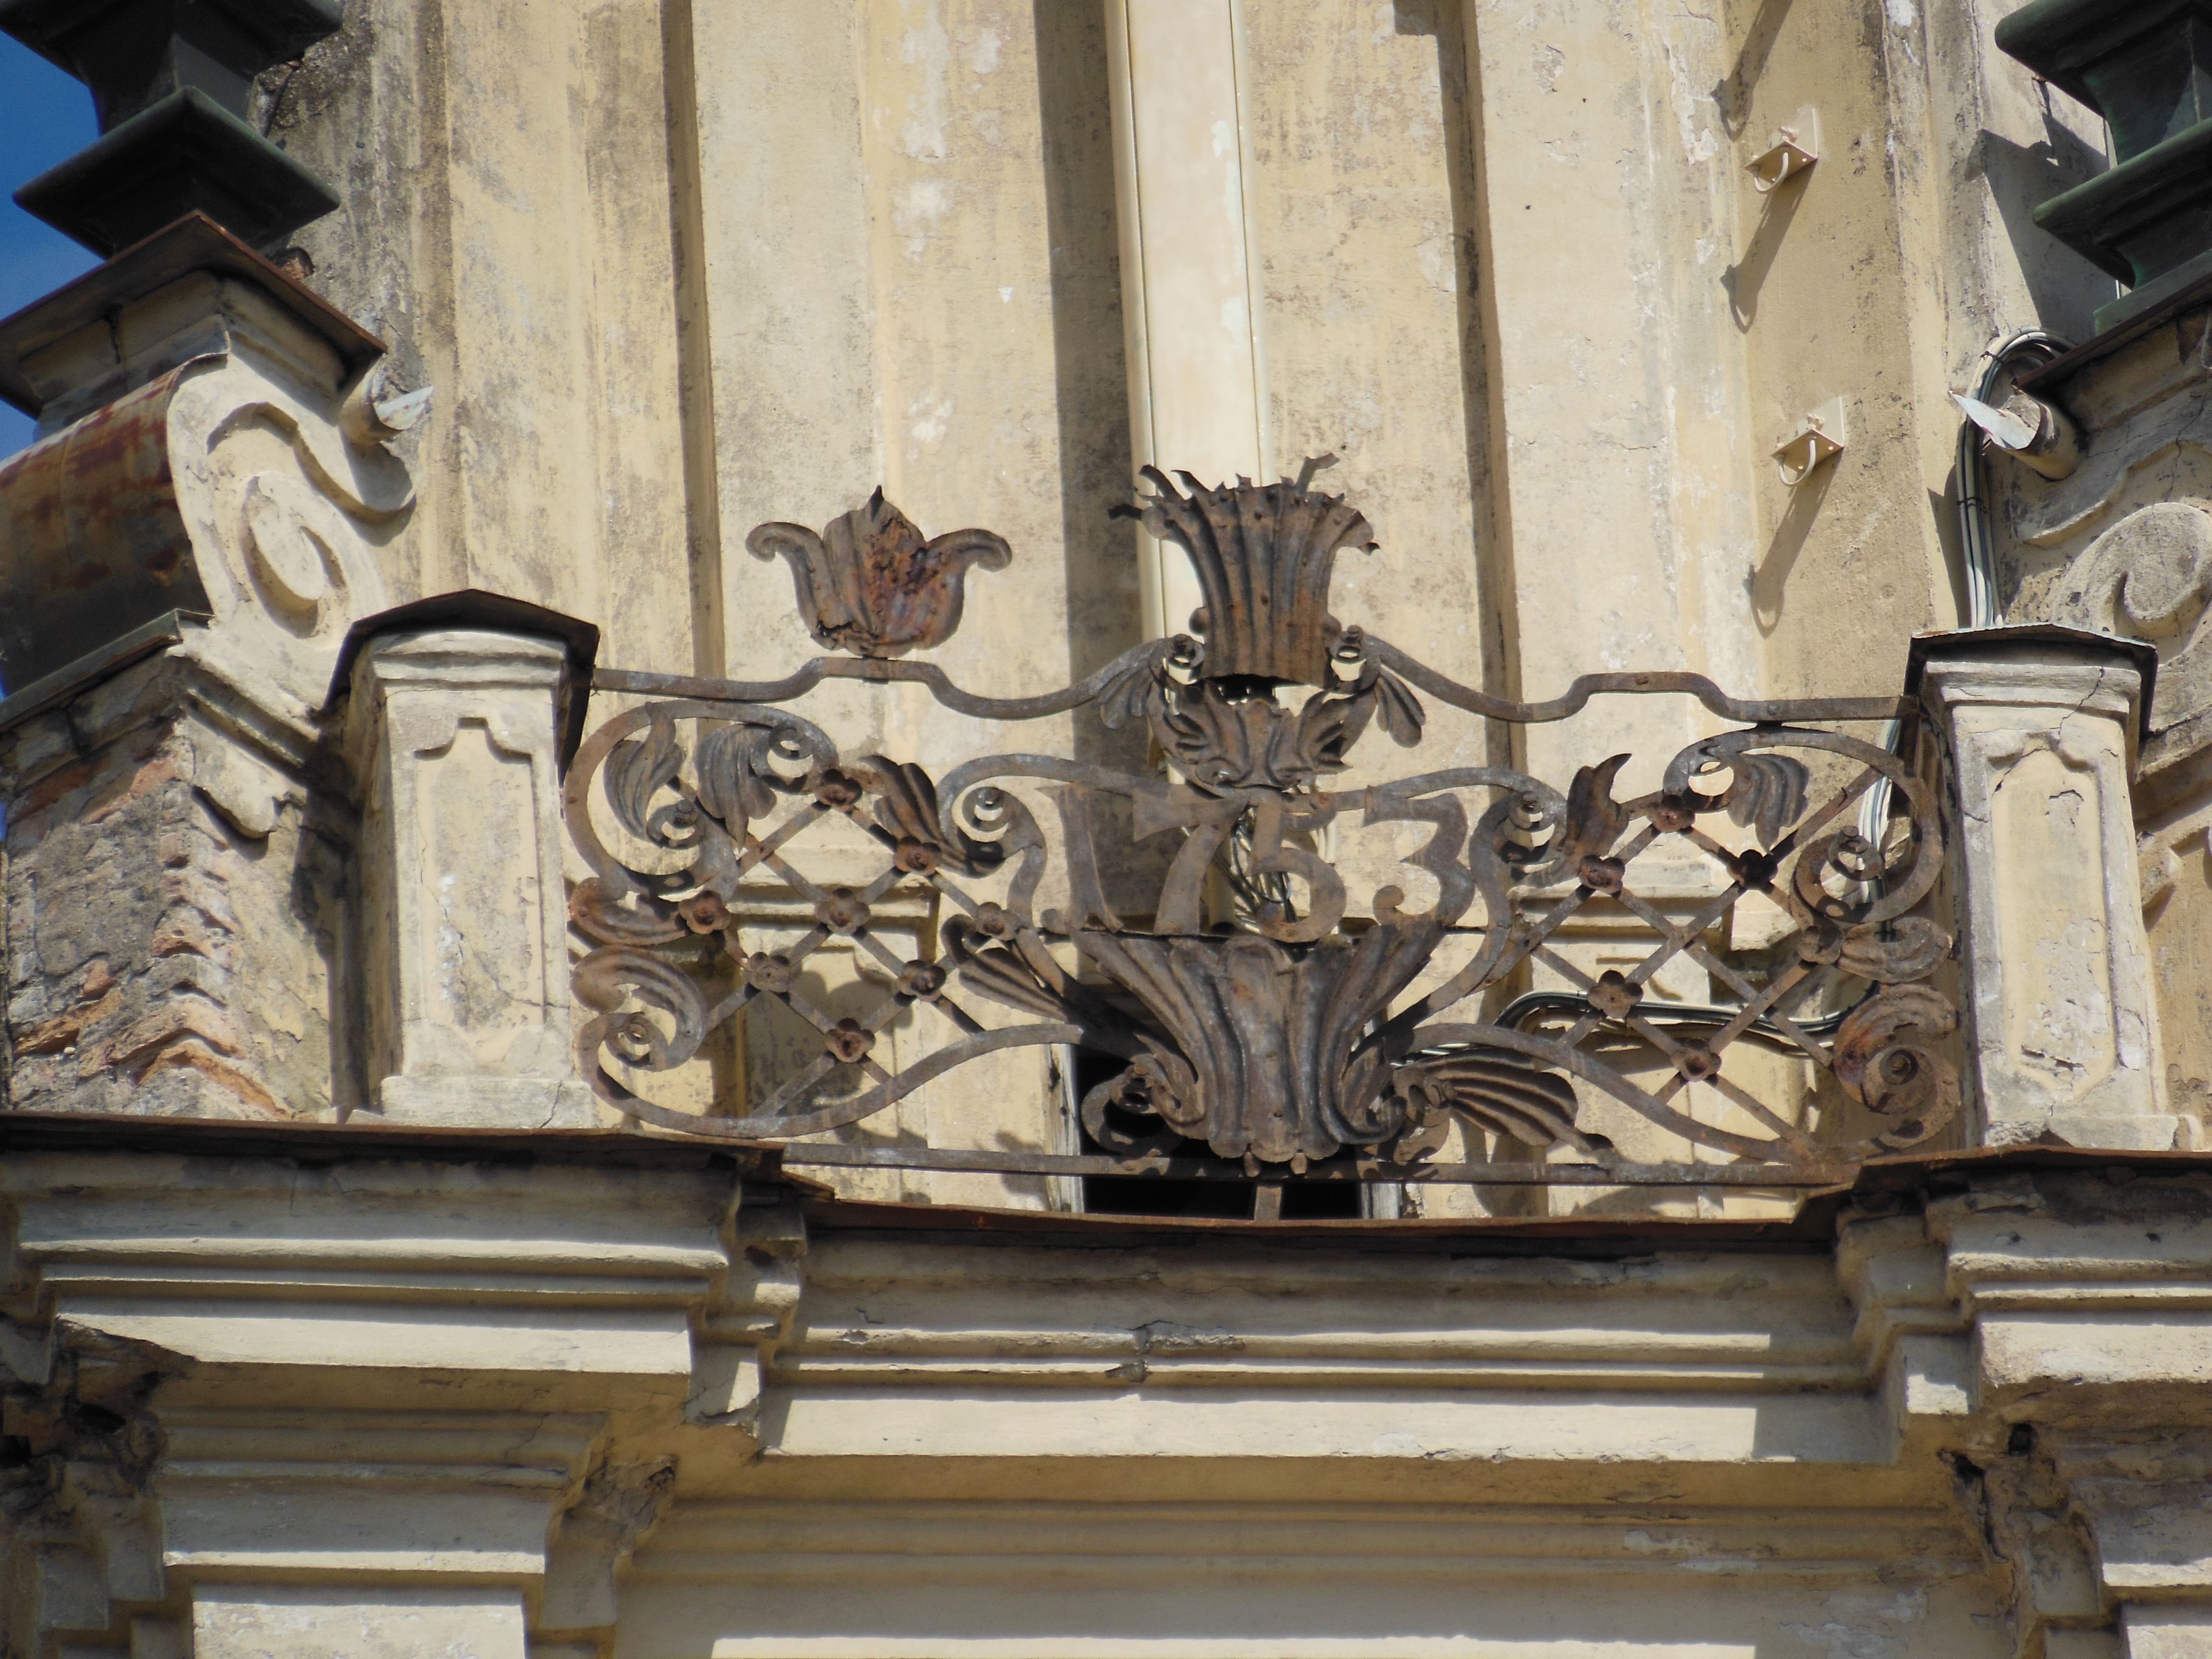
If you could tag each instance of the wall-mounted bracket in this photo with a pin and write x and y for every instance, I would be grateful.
(2035, 433)
(1790, 151)
(1817, 439)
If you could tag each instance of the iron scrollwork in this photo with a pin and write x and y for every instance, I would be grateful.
(1255, 1008)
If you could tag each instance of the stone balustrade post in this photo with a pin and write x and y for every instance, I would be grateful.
(2041, 728)
(454, 738)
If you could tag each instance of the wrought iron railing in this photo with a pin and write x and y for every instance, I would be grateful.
(1261, 1021)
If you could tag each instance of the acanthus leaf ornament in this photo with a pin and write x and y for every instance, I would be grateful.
(1254, 1007)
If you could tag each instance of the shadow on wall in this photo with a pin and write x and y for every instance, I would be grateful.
(1732, 96)
(2065, 288)
(1091, 373)
(1091, 370)
(1743, 280)
(1943, 510)
(1447, 25)
(1770, 578)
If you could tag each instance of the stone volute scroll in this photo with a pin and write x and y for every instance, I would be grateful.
(1259, 1014)
(187, 544)
(195, 457)
(2149, 577)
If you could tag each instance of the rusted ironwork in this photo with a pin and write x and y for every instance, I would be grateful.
(870, 583)
(1257, 1011)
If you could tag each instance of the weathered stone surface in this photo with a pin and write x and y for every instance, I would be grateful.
(2065, 1017)
(175, 910)
(454, 738)
(1531, 1449)
(677, 270)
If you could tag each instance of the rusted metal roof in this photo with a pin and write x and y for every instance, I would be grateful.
(97, 544)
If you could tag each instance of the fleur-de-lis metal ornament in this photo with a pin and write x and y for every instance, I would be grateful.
(870, 583)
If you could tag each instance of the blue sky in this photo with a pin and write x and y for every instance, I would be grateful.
(44, 116)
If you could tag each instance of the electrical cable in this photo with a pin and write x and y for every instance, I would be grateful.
(1976, 552)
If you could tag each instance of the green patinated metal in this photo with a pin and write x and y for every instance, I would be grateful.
(172, 81)
(2147, 69)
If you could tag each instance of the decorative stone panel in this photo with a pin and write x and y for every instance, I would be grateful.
(454, 739)
(2065, 1024)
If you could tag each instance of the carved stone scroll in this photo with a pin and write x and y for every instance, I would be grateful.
(2148, 578)
(181, 557)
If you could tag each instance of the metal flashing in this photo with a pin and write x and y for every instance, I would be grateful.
(472, 607)
(1948, 642)
(193, 244)
(118, 654)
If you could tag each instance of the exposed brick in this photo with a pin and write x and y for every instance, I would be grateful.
(52, 1037)
(186, 933)
(124, 986)
(161, 768)
(200, 890)
(143, 1041)
(188, 1055)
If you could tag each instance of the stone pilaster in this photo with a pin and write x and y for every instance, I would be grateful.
(443, 1461)
(454, 739)
(2063, 1024)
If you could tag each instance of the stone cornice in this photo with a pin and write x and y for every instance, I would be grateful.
(760, 1539)
(1246, 1316)
(253, 1355)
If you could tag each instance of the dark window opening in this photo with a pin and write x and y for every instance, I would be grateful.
(1159, 1195)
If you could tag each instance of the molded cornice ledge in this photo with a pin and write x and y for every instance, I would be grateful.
(2089, 1293)
(947, 1351)
(250, 1391)
(1913, 1334)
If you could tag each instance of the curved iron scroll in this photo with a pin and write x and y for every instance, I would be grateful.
(1259, 1007)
